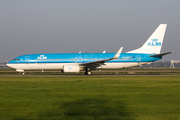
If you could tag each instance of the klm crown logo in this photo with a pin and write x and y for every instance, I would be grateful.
(42, 57)
(154, 42)
(70, 68)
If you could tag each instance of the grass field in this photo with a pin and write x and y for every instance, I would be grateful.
(90, 98)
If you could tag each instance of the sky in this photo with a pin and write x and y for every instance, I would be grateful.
(89, 26)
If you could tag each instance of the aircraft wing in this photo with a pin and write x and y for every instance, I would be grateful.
(100, 62)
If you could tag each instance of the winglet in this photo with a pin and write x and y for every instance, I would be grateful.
(118, 53)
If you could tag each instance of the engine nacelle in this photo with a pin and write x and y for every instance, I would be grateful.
(71, 68)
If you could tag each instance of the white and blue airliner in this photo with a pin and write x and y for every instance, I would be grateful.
(76, 62)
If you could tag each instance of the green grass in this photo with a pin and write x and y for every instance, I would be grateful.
(90, 98)
(9, 69)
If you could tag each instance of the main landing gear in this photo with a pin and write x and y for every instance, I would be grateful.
(88, 72)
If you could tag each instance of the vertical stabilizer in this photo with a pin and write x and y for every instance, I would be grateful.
(154, 43)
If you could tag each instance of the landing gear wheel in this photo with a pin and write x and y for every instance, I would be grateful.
(23, 73)
(89, 73)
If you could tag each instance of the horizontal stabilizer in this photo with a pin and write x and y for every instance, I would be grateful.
(159, 55)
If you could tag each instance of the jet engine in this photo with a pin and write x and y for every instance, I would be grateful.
(71, 68)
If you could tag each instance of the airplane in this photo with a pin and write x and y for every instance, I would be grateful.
(76, 62)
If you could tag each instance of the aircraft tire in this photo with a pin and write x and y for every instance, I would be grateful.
(89, 73)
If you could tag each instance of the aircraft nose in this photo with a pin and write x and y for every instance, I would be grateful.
(9, 64)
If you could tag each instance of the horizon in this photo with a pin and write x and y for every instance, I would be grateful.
(29, 27)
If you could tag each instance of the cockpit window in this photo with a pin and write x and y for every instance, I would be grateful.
(16, 59)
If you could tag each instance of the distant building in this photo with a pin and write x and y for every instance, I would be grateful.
(161, 64)
(3, 65)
